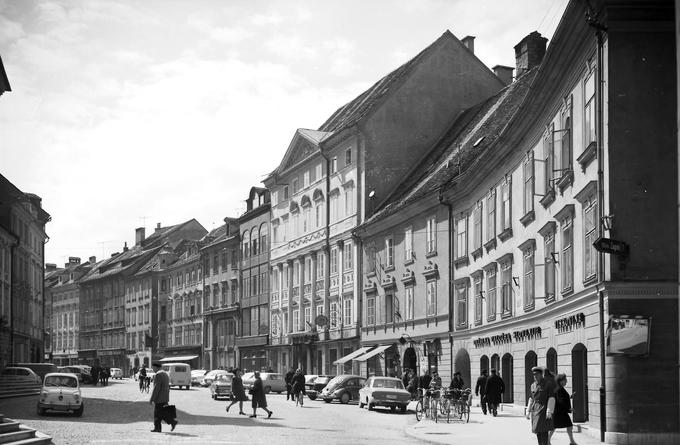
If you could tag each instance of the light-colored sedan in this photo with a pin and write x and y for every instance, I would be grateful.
(209, 376)
(272, 382)
(384, 391)
(197, 376)
(221, 386)
(61, 392)
(116, 373)
(19, 375)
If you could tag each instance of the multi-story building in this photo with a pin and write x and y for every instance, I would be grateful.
(50, 279)
(63, 296)
(564, 224)
(254, 270)
(180, 299)
(407, 250)
(332, 178)
(7, 242)
(23, 219)
(220, 261)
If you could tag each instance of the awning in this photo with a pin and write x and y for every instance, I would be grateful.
(371, 353)
(351, 355)
(181, 358)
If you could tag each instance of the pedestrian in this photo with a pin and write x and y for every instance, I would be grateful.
(298, 382)
(413, 386)
(259, 398)
(494, 389)
(238, 391)
(142, 377)
(457, 382)
(289, 385)
(541, 406)
(160, 398)
(480, 389)
(561, 417)
(425, 380)
(94, 372)
(406, 378)
(435, 381)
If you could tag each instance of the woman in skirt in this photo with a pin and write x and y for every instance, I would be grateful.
(563, 408)
(238, 391)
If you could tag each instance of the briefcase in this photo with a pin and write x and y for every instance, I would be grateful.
(170, 411)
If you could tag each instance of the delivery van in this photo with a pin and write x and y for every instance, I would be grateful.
(180, 374)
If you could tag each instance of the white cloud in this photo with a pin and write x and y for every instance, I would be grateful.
(291, 47)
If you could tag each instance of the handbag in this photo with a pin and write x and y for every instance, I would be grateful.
(170, 411)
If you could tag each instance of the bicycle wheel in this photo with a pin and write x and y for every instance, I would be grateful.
(434, 410)
(466, 414)
(420, 411)
(446, 409)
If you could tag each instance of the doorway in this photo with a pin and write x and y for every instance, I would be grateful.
(462, 365)
(507, 375)
(579, 382)
(530, 360)
(484, 364)
(410, 360)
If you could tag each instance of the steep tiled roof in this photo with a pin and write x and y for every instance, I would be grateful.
(352, 112)
(123, 262)
(472, 134)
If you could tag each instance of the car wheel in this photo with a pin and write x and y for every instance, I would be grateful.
(344, 398)
(267, 389)
(279, 392)
(327, 400)
(214, 397)
(79, 411)
(312, 396)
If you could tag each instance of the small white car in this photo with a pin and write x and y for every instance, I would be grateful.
(116, 373)
(61, 392)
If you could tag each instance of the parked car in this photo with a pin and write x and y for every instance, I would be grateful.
(39, 368)
(82, 371)
(248, 379)
(221, 385)
(384, 391)
(116, 373)
(272, 382)
(210, 376)
(197, 376)
(179, 373)
(61, 392)
(315, 383)
(19, 375)
(343, 387)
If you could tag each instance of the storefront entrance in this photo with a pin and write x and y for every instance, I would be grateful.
(462, 365)
(530, 360)
(579, 381)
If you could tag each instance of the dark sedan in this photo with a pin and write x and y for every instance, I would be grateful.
(314, 386)
(343, 388)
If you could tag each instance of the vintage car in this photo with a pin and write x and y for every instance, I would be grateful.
(315, 383)
(116, 373)
(209, 376)
(61, 392)
(19, 375)
(384, 391)
(197, 376)
(272, 382)
(344, 388)
(82, 371)
(221, 386)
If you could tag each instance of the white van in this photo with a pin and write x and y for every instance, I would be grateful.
(180, 374)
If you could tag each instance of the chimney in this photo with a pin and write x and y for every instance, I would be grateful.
(529, 52)
(158, 227)
(73, 260)
(504, 73)
(125, 247)
(93, 260)
(469, 42)
(50, 267)
(139, 235)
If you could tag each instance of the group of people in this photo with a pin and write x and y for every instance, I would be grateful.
(549, 406)
(295, 386)
(100, 374)
(259, 398)
(490, 389)
(433, 382)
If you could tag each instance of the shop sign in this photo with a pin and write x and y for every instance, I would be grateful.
(527, 334)
(569, 323)
(494, 339)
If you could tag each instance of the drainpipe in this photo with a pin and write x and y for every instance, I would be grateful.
(449, 207)
(327, 248)
(42, 319)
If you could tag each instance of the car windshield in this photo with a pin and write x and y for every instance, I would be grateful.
(61, 380)
(224, 378)
(388, 383)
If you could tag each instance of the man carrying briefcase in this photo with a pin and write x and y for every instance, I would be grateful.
(160, 397)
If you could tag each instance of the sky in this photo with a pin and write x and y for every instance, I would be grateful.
(125, 114)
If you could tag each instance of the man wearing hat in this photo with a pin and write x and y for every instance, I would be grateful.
(160, 398)
(541, 406)
(494, 389)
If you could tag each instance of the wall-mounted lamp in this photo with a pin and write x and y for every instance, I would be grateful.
(555, 257)
(608, 222)
(515, 280)
(405, 338)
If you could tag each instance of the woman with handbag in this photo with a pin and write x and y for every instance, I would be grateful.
(563, 408)
(238, 391)
(259, 398)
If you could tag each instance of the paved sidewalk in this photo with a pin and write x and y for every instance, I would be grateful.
(507, 428)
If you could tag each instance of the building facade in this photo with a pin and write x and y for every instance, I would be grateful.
(332, 178)
(7, 242)
(221, 295)
(254, 269)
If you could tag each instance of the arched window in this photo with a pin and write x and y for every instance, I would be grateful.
(530, 360)
(496, 362)
(484, 364)
(245, 244)
(508, 378)
(254, 236)
(264, 235)
(551, 360)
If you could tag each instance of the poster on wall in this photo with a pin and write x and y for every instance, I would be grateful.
(627, 335)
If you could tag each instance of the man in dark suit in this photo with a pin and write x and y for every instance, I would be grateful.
(160, 398)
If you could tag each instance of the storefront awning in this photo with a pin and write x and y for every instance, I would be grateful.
(351, 355)
(371, 353)
(181, 358)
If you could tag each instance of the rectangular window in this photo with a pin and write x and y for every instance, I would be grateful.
(550, 254)
(296, 273)
(431, 298)
(528, 285)
(389, 308)
(409, 303)
(408, 244)
(589, 235)
(431, 235)
(347, 311)
(308, 318)
(567, 259)
(477, 226)
(478, 298)
(529, 183)
(565, 145)
(296, 185)
(461, 237)
(319, 215)
(349, 201)
(589, 110)
(306, 220)
(549, 151)
(491, 295)
(284, 227)
(491, 216)
(347, 257)
(461, 305)
(389, 252)
(305, 179)
(370, 311)
(348, 156)
(506, 204)
(319, 172)
(506, 290)
(334, 207)
(308, 270)
(296, 320)
(334, 260)
(334, 164)
(320, 265)
(334, 316)
(285, 193)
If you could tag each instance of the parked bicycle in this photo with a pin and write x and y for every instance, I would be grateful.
(428, 404)
(456, 404)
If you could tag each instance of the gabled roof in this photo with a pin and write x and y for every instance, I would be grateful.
(4, 81)
(355, 110)
(295, 154)
(127, 261)
(471, 135)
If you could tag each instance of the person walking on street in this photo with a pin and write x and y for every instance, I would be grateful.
(142, 377)
(425, 380)
(160, 398)
(289, 384)
(259, 398)
(561, 417)
(541, 406)
(298, 382)
(457, 382)
(480, 389)
(494, 388)
(238, 391)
